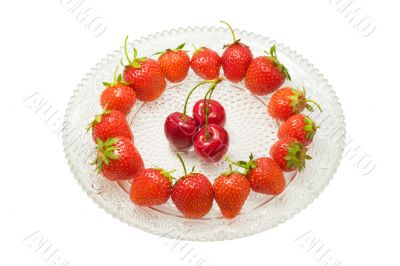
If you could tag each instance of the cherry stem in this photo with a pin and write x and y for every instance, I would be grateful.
(126, 51)
(183, 164)
(230, 29)
(211, 92)
(190, 93)
(316, 104)
(208, 97)
(206, 108)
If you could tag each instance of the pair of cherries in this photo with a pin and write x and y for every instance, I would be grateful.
(205, 130)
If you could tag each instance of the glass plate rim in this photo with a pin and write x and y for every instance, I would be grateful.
(304, 63)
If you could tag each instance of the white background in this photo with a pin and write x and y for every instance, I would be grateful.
(46, 50)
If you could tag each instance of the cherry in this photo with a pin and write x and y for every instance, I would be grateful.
(216, 113)
(212, 146)
(179, 128)
(212, 141)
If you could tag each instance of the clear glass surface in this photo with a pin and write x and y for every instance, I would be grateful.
(251, 129)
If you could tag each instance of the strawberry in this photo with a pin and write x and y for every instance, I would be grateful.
(110, 123)
(145, 76)
(118, 95)
(206, 63)
(289, 154)
(298, 126)
(264, 175)
(236, 58)
(151, 187)
(265, 74)
(118, 159)
(287, 101)
(193, 194)
(231, 190)
(175, 63)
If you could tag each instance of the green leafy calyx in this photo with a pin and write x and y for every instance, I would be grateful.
(296, 156)
(135, 63)
(279, 65)
(117, 80)
(97, 118)
(298, 101)
(179, 48)
(310, 128)
(167, 174)
(106, 151)
(247, 166)
(196, 50)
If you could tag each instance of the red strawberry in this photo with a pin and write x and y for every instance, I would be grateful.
(236, 58)
(298, 126)
(287, 101)
(206, 63)
(118, 159)
(266, 74)
(193, 194)
(108, 124)
(289, 154)
(264, 175)
(145, 76)
(151, 187)
(231, 191)
(118, 95)
(175, 63)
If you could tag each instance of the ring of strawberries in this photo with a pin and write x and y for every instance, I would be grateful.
(145, 79)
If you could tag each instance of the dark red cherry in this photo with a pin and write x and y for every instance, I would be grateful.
(216, 113)
(211, 147)
(180, 130)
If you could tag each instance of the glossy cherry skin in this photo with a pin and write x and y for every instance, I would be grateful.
(213, 149)
(180, 130)
(216, 113)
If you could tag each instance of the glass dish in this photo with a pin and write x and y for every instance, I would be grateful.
(250, 128)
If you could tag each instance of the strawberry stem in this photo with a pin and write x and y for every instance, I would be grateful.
(126, 51)
(305, 100)
(315, 103)
(247, 166)
(183, 164)
(231, 30)
(230, 171)
(136, 60)
(115, 75)
(233, 162)
(115, 81)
